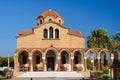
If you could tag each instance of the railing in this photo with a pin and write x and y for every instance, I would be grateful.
(63, 68)
(38, 69)
(77, 68)
(24, 69)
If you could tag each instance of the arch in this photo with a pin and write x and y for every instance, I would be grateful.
(51, 60)
(103, 58)
(92, 59)
(95, 52)
(48, 49)
(103, 50)
(56, 33)
(77, 57)
(34, 50)
(37, 60)
(45, 33)
(65, 60)
(78, 61)
(80, 51)
(64, 57)
(21, 50)
(67, 50)
(23, 60)
(51, 32)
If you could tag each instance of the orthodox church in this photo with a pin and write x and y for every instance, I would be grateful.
(51, 46)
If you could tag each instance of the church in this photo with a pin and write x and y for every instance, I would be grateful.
(51, 46)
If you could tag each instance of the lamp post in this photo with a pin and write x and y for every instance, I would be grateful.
(8, 61)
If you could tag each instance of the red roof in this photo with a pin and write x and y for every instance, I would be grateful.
(75, 33)
(50, 13)
(25, 32)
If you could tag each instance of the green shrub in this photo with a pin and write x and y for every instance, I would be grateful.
(105, 70)
(6, 70)
(99, 75)
(106, 77)
(103, 75)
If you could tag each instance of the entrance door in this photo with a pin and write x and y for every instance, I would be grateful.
(50, 63)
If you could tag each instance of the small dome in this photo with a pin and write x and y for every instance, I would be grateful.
(50, 13)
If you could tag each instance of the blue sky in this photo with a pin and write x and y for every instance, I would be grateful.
(83, 15)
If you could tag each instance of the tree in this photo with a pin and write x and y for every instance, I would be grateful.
(4, 61)
(114, 45)
(89, 67)
(98, 39)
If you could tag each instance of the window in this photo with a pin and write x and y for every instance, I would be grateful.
(50, 20)
(59, 21)
(45, 33)
(40, 21)
(56, 33)
(37, 59)
(64, 59)
(24, 59)
(51, 32)
(76, 59)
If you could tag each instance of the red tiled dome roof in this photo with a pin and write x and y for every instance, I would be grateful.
(50, 13)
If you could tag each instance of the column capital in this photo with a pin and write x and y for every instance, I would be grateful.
(85, 57)
(98, 57)
(43, 57)
(72, 57)
(58, 57)
(112, 57)
(30, 58)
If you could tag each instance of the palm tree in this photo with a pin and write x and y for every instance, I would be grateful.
(98, 39)
(114, 45)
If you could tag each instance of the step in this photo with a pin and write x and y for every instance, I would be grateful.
(51, 75)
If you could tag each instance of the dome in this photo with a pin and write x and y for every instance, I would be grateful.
(50, 13)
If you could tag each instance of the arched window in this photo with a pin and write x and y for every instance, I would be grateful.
(76, 59)
(64, 59)
(50, 20)
(59, 21)
(51, 32)
(45, 33)
(40, 21)
(24, 60)
(37, 59)
(56, 33)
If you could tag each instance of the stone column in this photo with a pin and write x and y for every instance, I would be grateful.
(95, 64)
(85, 63)
(58, 63)
(48, 34)
(44, 64)
(53, 34)
(98, 63)
(30, 63)
(106, 61)
(72, 63)
(112, 58)
(111, 69)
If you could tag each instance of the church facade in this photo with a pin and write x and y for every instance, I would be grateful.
(51, 46)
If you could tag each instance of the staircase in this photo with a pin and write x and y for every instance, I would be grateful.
(49, 76)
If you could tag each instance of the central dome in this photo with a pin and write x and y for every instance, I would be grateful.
(50, 13)
(50, 16)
